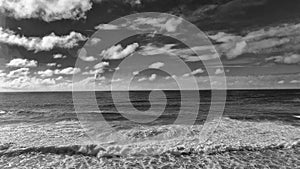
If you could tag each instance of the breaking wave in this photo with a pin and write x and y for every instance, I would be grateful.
(231, 135)
(119, 151)
(233, 143)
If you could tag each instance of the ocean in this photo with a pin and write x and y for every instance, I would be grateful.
(258, 129)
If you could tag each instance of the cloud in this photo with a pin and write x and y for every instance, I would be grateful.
(21, 79)
(59, 78)
(288, 59)
(237, 50)
(186, 75)
(156, 65)
(26, 83)
(46, 73)
(219, 71)
(195, 72)
(101, 65)
(99, 69)
(59, 56)
(46, 10)
(101, 78)
(88, 58)
(145, 24)
(152, 77)
(51, 64)
(116, 80)
(2, 74)
(45, 43)
(223, 37)
(281, 82)
(22, 63)
(67, 71)
(18, 73)
(142, 79)
(277, 39)
(171, 77)
(162, 23)
(133, 3)
(94, 41)
(83, 55)
(107, 27)
(295, 81)
(90, 72)
(117, 52)
(48, 82)
(135, 73)
(172, 24)
(151, 49)
(188, 54)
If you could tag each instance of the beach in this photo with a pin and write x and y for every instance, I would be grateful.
(233, 144)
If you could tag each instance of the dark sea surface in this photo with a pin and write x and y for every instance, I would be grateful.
(256, 105)
(259, 129)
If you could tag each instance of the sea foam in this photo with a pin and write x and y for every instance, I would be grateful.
(231, 135)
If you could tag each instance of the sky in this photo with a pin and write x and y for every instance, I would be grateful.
(65, 45)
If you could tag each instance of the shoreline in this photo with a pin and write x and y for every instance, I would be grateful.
(234, 143)
(230, 134)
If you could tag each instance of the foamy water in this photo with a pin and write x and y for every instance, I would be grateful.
(66, 144)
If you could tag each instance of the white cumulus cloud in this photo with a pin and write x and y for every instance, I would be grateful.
(46, 73)
(45, 43)
(47, 10)
(101, 65)
(22, 63)
(94, 41)
(219, 71)
(117, 52)
(18, 73)
(156, 65)
(59, 56)
(51, 64)
(142, 79)
(48, 82)
(194, 72)
(152, 77)
(83, 55)
(295, 81)
(67, 71)
(135, 73)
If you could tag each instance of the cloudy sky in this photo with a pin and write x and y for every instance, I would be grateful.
(50, 45)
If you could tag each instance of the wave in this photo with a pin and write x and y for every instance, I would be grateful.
(231, 135)
(105, 152)
(35, 116)
(297, 116)
(296, 100)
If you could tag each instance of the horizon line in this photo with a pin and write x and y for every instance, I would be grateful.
(61, 91)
